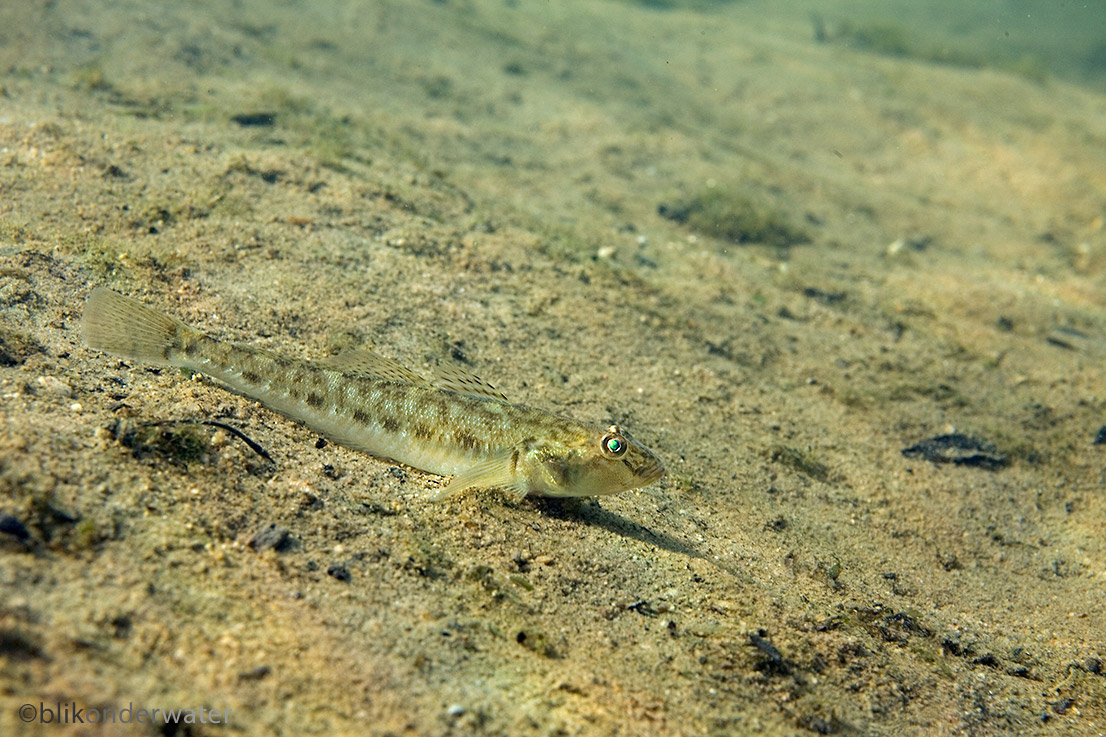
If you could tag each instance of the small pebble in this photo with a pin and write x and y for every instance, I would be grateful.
(55, 386)
(11, 526)
(339, 573)
(958, 449)
(255, 674)
(271, 537)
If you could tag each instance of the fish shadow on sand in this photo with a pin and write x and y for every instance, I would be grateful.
(589, 512)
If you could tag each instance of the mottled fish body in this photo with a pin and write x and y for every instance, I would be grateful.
(455, 425)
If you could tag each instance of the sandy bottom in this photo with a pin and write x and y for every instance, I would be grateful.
(778, 262)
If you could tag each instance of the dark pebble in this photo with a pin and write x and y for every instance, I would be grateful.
(1100, 438)
(340, 573)
(11, 526)
(271, 537)
(247, 120)
(1061, 707)
(823, 296)
(255, 674)
(773, 663)
(761, 643)
(779, 524)
(959, 450)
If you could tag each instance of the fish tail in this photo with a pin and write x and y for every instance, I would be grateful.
(116, 324)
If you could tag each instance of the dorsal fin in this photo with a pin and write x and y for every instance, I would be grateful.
(371, 364)
(455, 379)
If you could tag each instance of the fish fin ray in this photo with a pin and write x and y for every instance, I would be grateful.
(116, 324)
(518, 490)
(452, 377)
(372, 365)
(495, 471)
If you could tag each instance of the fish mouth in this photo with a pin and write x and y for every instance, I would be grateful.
(649, 471)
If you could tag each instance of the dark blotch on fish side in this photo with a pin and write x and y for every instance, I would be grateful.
(1100, 438)
(958, 449)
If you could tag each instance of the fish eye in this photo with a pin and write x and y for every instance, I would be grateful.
(612, 443)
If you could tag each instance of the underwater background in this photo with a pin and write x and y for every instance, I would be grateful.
(840, 264)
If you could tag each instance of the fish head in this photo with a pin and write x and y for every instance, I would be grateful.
(591, 464)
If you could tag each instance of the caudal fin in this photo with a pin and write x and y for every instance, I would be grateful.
(116, 324)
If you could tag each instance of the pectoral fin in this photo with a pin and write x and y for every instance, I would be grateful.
(498, 471)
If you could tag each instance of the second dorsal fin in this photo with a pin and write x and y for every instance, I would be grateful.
(369, 363)
(455, 379)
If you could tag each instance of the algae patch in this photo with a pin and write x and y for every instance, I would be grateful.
(800, 460)
(16, 347)
(179, 443)
(733, 216)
